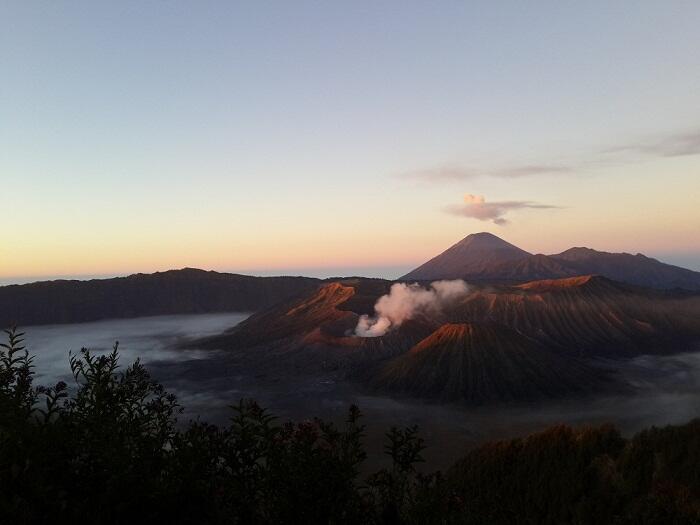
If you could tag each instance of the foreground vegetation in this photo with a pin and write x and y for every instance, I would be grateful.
(110, 451)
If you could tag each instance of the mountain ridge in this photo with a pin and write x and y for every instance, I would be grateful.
(184, 291)
(491, 262)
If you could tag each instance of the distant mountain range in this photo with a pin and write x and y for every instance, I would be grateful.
(186, 291)
(480, 257)
(486, 257)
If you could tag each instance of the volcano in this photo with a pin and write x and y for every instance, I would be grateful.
(476, 254)
(485, 257)
(484, 363)
(589, 315)
(499, 342)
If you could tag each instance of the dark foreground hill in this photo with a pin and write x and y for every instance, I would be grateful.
(186, 291)
(584, 476)
(485, 257)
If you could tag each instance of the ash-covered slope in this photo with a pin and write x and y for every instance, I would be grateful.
(185, 291)
(533, 267)
(485, 257)
(588, 315)
(484, 363)
(317, 329)
(496, 342)
(290, 320)
(476, 254)
(329, 314)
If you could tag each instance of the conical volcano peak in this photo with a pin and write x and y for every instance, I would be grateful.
(485, 257)
(484, 239)
(475, 254)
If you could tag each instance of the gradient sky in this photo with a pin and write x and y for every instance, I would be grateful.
(342, 137)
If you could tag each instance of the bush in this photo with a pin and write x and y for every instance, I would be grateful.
(110, 450)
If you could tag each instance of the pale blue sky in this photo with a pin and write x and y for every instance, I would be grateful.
(137, 136)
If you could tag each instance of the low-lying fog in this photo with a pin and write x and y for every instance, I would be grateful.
(667, 389)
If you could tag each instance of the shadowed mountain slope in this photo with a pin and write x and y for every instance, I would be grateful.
(530, 268)
(484, 363)
(588, 315)
(634, 269)
(186, 291)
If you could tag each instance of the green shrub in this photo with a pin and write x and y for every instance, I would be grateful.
(110, 450)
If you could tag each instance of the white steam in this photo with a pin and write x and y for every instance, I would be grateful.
(406, 301)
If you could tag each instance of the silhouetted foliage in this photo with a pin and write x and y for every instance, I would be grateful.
(110, 450)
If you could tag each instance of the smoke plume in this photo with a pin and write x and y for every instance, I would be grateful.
(406, 301)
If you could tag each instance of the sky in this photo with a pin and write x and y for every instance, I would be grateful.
(333, 138)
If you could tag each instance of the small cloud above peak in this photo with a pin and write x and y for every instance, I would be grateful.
(474, 199)
(476, 207)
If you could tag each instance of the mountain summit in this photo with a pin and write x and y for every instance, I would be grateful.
(475, 254)
(483, 256)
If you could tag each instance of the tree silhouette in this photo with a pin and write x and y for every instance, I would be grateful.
(110, 450)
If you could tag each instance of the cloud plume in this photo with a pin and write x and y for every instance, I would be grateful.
(670, 145)
(677, 145)
(476, 207)
(458, 172)
(407, 301)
